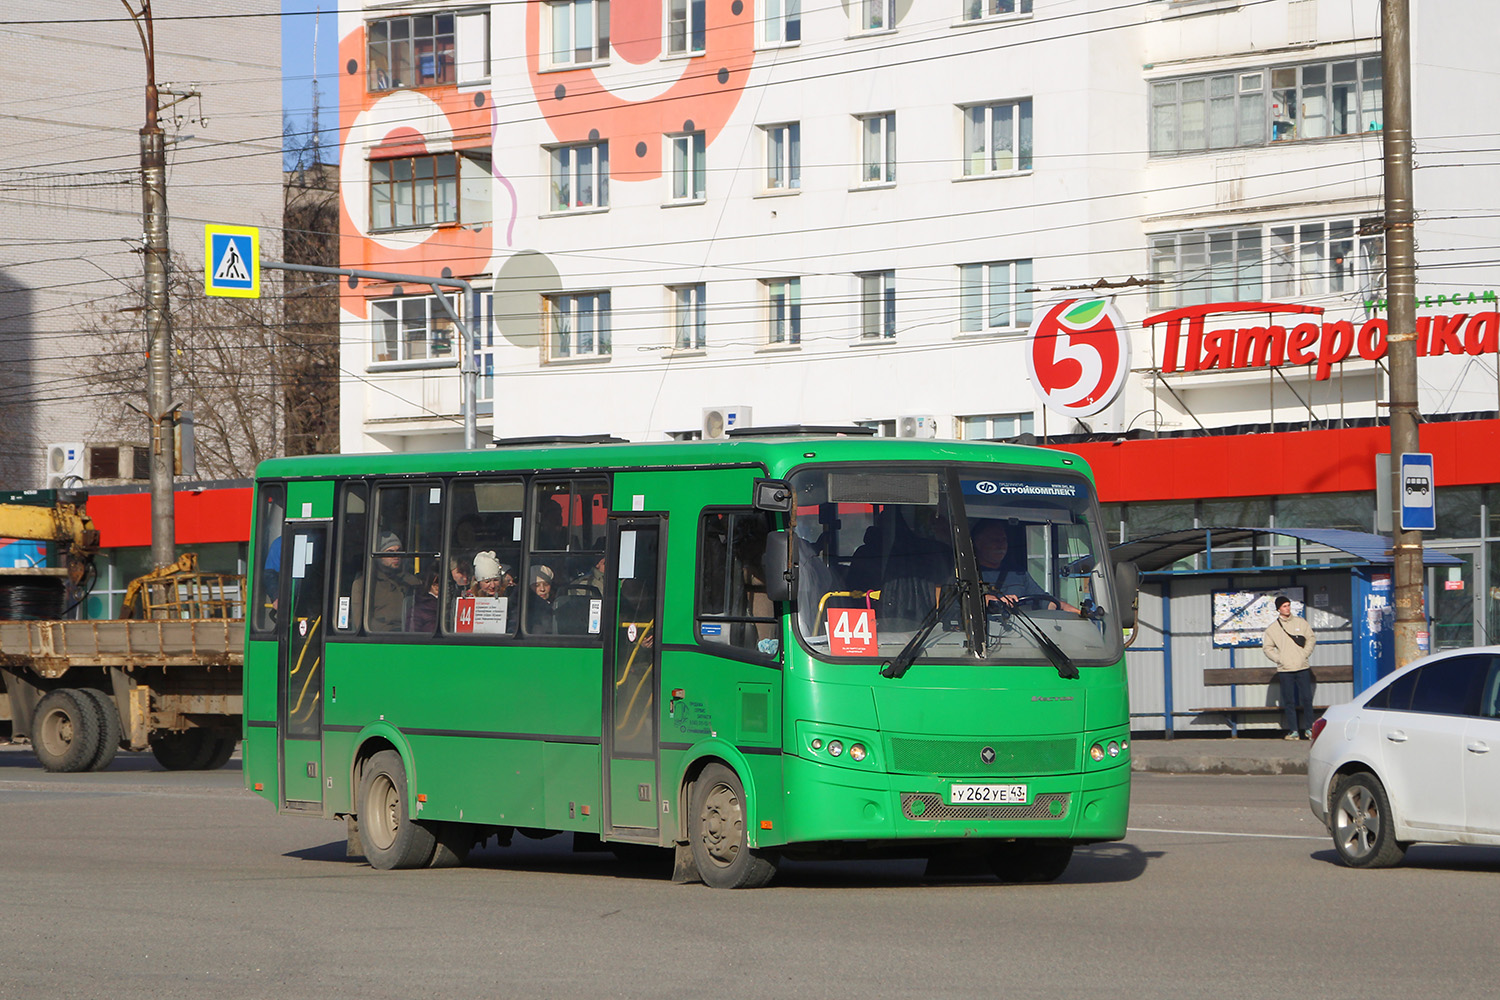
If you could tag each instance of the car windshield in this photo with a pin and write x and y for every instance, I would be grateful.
(883, 551)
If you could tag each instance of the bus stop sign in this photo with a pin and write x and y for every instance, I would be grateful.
(1418, 511)
(231, 264)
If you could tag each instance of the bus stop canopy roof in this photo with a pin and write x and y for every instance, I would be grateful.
(1157, 553)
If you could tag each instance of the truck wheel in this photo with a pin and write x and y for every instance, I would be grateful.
(65, 730)
(185, 751)
(109, 728)
(392, 839)
(221, 748)
(720, 842)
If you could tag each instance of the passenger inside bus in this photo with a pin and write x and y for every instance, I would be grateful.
(391, 591)
(541, 619)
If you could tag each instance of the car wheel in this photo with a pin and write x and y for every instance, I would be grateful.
(1363, 829)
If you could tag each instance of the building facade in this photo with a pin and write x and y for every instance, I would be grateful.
(1117, 227)
(70, 183)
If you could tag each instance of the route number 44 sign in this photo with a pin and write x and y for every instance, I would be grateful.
(851, 631)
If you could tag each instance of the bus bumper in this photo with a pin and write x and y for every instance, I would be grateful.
(832, 803)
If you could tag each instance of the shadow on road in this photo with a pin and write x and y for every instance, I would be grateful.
(1436, 857)
(1100, 864)
(20, 757)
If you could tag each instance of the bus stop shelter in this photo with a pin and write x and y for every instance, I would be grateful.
(1206, 597)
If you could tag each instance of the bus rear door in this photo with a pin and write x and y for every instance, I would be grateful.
(632, 677)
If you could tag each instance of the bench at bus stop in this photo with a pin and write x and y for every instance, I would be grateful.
(1234, 676)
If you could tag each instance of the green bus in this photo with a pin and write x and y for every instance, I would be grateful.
(795, 643)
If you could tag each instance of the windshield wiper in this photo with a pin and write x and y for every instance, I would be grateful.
(1065, 668)
(903, 660)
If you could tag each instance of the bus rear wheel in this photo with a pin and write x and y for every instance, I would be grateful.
(392, 839)
(1030, 861)
(721, 847)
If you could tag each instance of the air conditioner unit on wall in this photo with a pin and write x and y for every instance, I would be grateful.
(114, 461)
(718, 421)
(65, 466)
(916, 427)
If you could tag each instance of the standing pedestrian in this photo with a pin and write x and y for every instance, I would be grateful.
(1289, 643)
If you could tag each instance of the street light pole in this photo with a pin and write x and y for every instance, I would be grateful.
(1401, 323)
(159, 410)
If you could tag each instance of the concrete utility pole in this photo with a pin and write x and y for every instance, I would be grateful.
(159, 409)
(1401, 329)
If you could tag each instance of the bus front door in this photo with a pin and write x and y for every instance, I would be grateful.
(632, 677)
(300, 685)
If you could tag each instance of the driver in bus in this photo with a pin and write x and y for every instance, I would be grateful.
(1003, 569)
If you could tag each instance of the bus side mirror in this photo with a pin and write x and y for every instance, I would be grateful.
(1127, 591)
(780, 576)
(772, 494)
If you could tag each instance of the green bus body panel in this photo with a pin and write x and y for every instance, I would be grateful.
(304, 769)
(510, 735)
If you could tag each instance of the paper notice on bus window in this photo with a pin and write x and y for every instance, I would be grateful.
(343, 612)
(851, 632)
(480, 616)
(596, 612)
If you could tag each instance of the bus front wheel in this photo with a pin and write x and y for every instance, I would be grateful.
(721, 846)
(392, 839)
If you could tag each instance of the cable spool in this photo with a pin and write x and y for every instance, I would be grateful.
(32, 597)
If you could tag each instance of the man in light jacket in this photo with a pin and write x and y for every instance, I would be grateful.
(1289, 643)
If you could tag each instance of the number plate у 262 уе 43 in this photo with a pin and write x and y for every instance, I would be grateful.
(981, 794)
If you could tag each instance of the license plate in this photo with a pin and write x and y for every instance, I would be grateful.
(987, 793)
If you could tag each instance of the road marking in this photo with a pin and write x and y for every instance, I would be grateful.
(1226, 833)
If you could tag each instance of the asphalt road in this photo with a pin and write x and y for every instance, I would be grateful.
(139, 883)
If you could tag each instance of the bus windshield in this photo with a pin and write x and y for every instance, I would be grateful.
(884, 551)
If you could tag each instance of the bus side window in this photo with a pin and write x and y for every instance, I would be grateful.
(485, 518)
(266, 563)
(569, 522)
(353, 521)
(733, 609)
(408, 531)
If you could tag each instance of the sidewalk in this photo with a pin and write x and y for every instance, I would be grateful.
(1219, 755)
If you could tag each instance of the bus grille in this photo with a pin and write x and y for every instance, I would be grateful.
(930, 806)
(913, 755)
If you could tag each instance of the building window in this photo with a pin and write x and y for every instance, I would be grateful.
(688, 169)
(994, 426)
(783, 310)
(577, 325)
(877, 15)
(783, 156)
(414, 51)
(685, 29)
(781, 22)
(580, 176)
(580, 31)
(445, 189)
(978, 10)
(1342, 257)
(994, 297)
(877, 305)
(412, 328)
(689, 316)
(877, 148)
(1266, 104)
(473, 46)
(997, 138)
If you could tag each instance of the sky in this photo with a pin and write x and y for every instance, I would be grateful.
(298, 19)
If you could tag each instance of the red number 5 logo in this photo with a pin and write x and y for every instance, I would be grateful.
(1078, 355)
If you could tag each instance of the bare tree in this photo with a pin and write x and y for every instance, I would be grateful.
(311, 313)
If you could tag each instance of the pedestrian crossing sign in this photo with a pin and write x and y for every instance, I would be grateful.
(231, 263)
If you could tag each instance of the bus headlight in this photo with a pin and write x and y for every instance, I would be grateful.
(835, 747)
(817, 743)
(1113, 749)
(857, 752)
(1096, 753)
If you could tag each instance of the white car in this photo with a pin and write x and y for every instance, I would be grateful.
(1414, 758)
